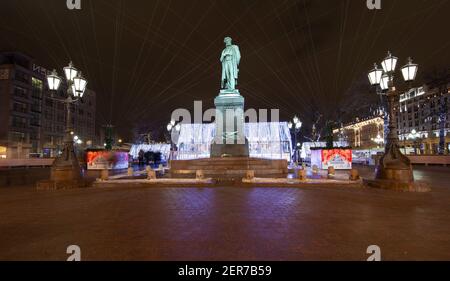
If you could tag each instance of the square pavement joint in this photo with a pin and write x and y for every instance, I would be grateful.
(207, 182)
(56, 185)
(287, 182)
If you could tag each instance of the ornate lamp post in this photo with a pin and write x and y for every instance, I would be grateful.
(172, 128)
(394, 169)
(378, 140)
(66, 166)
(295, 126)
(414, 135)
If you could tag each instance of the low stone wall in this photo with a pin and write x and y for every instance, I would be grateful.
(23, 176)
(423, 159)
(430, 159)
(29, 162)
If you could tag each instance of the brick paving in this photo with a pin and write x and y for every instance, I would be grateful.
(227, 223)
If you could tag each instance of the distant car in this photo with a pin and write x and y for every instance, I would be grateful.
(35, 155)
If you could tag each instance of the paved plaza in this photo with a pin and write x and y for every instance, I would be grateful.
(228, 223)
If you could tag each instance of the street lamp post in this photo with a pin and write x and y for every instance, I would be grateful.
(378, 140)
(171, 128)
(414, 135)
(295, 126)
(66, 166)
(394, 169)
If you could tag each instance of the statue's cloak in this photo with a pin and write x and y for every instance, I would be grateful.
(236, 59)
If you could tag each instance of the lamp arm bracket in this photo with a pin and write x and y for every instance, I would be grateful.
(62, 100)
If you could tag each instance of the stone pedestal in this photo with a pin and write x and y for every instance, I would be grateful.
(229, 168)
(63, 177)
(65, 172)
(230, 139)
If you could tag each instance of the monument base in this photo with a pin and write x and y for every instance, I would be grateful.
(230, 150)
(65, 173)
(229, 139)
(229, 168)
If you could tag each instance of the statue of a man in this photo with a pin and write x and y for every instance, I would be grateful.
(230, 58)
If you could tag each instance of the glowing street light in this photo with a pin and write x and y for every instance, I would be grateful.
(384, 82)
(409, 71)
(389, 63)
(375, 76)
(79, 85)
(378, 140)
(70, 71)
(53, 81)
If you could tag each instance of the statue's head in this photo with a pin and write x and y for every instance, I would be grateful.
(227, 41)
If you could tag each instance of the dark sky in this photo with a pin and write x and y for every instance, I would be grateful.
(146, 58)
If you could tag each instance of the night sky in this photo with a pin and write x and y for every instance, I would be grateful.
(146, 58)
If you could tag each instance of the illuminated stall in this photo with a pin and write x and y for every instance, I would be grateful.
(339, 158)
(162, 148)
(100, 159)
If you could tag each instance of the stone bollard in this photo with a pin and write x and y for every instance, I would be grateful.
(331, 172)
(354, 175)
(301, 174)
(151, 174)
(104, 175)
(130, 172)
(315, 170)
(148, 168)
(250, 175)
(161, 168)
(199, 175)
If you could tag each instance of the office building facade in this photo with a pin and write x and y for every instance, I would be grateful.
(32, 121)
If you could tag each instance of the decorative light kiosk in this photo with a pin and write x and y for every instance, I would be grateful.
(394, 170)
(329, 156)
(66, 167)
